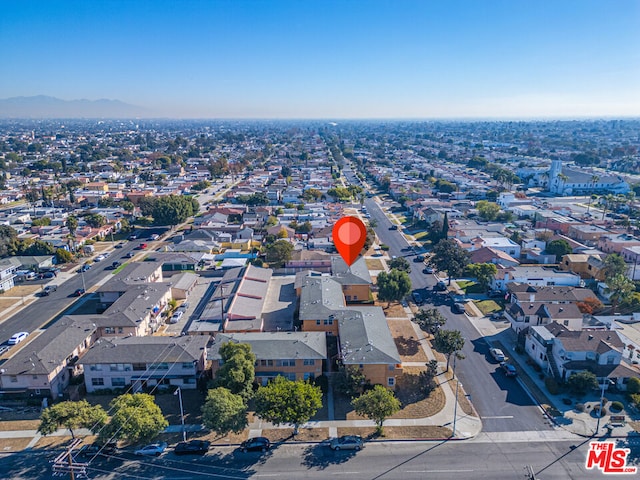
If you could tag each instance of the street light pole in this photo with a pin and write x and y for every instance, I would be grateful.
(184, 433)
(604, 384)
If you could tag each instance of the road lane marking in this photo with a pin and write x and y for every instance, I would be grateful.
(497, 417)
(438, 471)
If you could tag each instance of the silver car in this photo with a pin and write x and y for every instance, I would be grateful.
(154, 449)
(347, 442)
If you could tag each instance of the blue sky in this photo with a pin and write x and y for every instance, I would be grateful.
(330, 59)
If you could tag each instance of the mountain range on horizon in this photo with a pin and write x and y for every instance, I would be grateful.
(44, 106)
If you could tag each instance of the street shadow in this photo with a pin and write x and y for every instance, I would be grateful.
(515, 394)
(320, 456)
(633, 444)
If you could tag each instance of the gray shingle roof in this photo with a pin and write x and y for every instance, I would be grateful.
(146, 349)
(356, 274)
(365, 337)
(276, 345)
(49, 350)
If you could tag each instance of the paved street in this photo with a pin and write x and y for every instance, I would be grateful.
(486, 457)
(502, 403)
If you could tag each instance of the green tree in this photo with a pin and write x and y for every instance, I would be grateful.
(448, 342)
(95, 220)
(450, 257)
(278, 253)
(72, 224)
(237, 371)
(350, 381)
(559, 248)
(430, 320)
(8, 236)
(377, 404)
(311, 195)
(487, 210)
(393, 286)
(169, 209)
(63, 256)
(135, 417)
(614, 264)
(445, 227)
(619, 288)
(400, 263)
(72, 415)
(224, 411)
(286, 401)
(633, 385)
(483, 273)
(41, 222)
(581, 382)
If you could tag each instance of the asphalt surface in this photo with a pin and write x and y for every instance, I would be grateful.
(48, 309)
(451, 460)
(501, 402)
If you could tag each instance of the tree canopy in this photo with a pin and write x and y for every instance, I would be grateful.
(559, 248)
(377, 404)
(581, 382)
(619, 288)
(278, 253)
(614, 264)
(487, 210)
(393, 286)
(169, 209)
(430, 320)
(483, 273)
(237, 370)
(400, 263)
(135, 417)
(450, 257)
(224, 411)
(72, 415)
(448, 342)
(287, 401)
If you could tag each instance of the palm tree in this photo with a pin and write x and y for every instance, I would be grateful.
(563, 178)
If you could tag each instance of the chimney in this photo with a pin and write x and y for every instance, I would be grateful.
(590, 337)
(532, 297)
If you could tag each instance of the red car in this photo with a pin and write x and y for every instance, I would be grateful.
(142, 246)
(79, 292)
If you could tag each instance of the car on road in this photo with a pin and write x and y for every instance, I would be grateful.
(155, 236)
(192, 447)
(142, 246)
(119, 245)
(417, 298)
(428, 270)
(99, 258)
(49, 289)
(508, 369)
(133, 236)
(347, 442)
(177, 315)
(393, 227)
(17, 338)
(79, 292)
(85, 267)
(130, 255)
(419, 258)
(440, 286)
(256, 444)
(115, 265)
(497, 354)
(458, 307)
(155, 449)
(96, 449)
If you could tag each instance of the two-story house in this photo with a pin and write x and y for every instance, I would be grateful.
(294, 355)
(145, 362)
(561, 352)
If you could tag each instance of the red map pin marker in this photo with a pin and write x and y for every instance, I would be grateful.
(349, 235)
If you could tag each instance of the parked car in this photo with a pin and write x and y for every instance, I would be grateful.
(497, 354)
(440, 286)
(497, 315)
(85, 267)
(495, 294)
(79, 292)
(419, 258)
(133, 236)
(177, 315)
(49, 289)
(47, 275)
(393, 227)
(97, 449)
(458, 307)
(192, 447)
(417, 298)
(256, 444)
(347, 442)
(508, 369)
(155, 449)
(428, 270)
(155, 236)
(17, 338)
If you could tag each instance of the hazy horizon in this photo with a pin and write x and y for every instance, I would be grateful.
(315, 60)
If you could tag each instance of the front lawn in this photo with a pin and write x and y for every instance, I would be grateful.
(487, 306)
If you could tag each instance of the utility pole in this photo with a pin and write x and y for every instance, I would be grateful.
(64, 463)
(530, 473)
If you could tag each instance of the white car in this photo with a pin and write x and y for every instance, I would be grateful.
(99, 258)
(497, 354)
(154, 449)
(175, 318)
(17, 338)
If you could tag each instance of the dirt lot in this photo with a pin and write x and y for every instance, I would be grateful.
(393, 433)
(374, 264)
(14, 425)
(13, 444)
(21, 290)
(405, 337)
